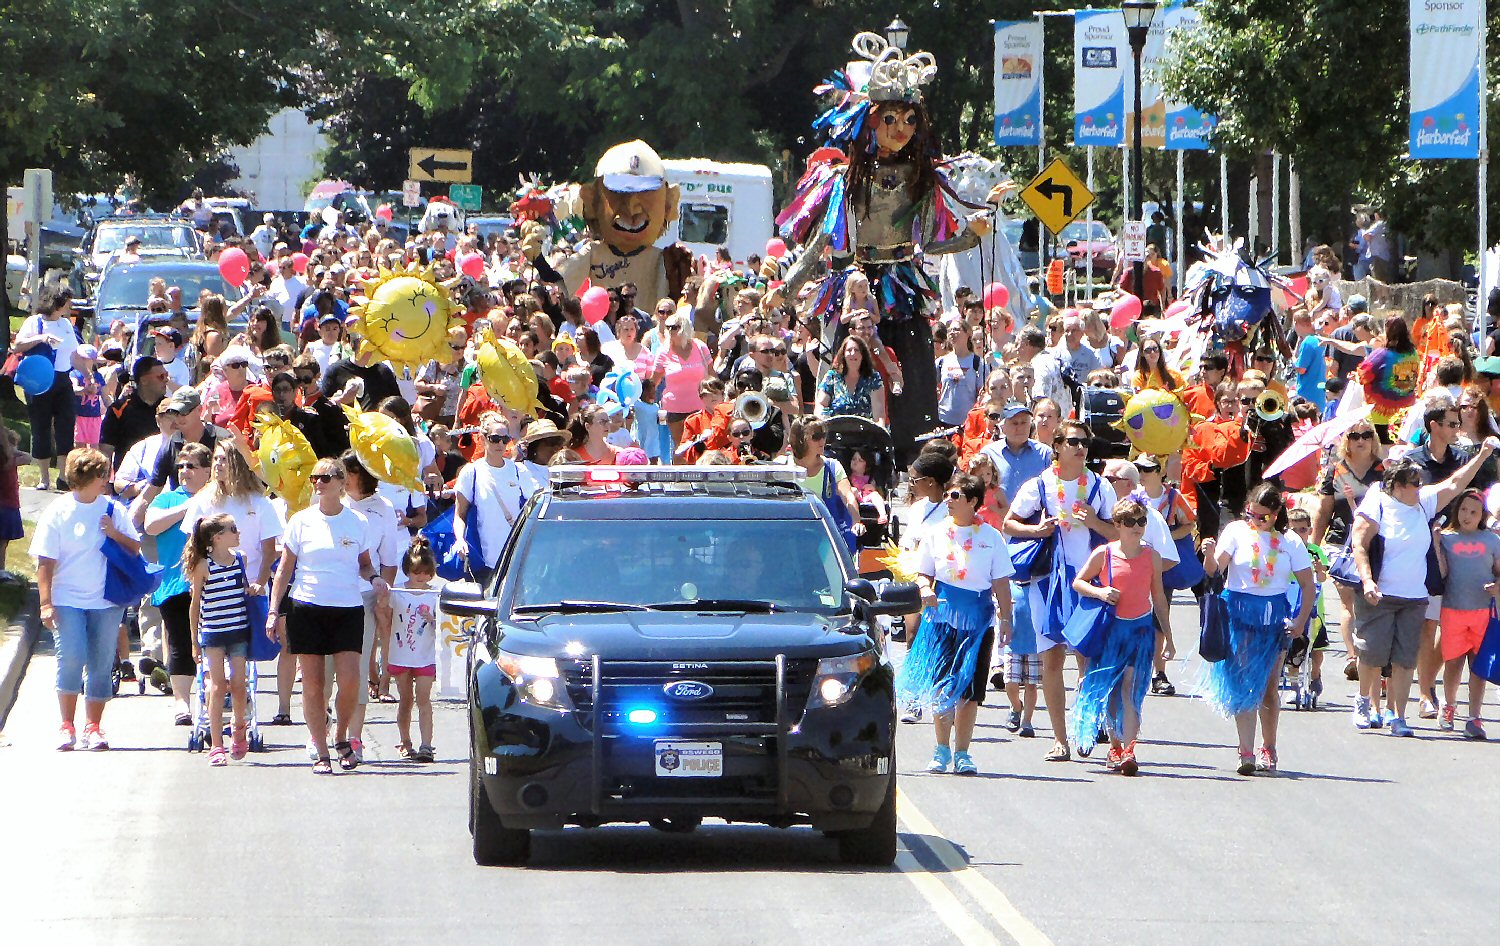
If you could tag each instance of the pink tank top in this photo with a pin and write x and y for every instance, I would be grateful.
(1132, 576)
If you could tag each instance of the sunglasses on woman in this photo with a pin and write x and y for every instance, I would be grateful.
(1258, 517)
(497, 438)
(1075, 442)
(739, 434)
(324, 478)
(954, 494)
(1361, 435)
(1132, 522)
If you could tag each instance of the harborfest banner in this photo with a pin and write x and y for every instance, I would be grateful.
(1018, 83)
(1447, 39)
(1187, 129)
(1101, 57)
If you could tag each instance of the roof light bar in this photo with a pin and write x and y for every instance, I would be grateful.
(575, 475)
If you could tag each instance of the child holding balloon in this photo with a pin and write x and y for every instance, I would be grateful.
(88, 397)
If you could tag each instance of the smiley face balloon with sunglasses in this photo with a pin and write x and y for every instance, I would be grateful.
(1155, 422)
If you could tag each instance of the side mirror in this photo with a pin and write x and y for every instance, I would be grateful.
(466, 599)
(898, 597)
(861, 588)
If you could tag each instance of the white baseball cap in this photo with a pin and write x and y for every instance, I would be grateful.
(632, 168)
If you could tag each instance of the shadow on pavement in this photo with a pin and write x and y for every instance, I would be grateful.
(634, 849)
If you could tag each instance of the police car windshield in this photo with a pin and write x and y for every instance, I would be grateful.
(789, 565)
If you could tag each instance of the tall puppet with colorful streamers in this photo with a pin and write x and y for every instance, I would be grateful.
(878, 199)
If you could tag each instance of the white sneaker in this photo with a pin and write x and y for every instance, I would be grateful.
(313, 752)
(93, 739)
(911, 713)
(67, 738)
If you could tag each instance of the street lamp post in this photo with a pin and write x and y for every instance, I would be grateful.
(1138, 16)
(897, 34)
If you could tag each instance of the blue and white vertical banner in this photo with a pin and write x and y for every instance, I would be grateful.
(1101, 61)
(1187, 128)
(1018, 83)
(1447, 39)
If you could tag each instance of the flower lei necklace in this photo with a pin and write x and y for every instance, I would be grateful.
(1066, 511)
(1259, 576)
(958, 551)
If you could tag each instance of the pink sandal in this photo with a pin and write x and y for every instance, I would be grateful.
(217, 756)
(238, 746)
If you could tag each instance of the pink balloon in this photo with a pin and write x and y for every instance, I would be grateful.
(1126, 310)
(595, 304)
(996, 296)
(384, 212)
(472, 265)
(234, 266)
(775, 248)
(299, 263)
(1180, 307)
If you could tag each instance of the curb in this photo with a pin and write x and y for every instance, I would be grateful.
(16, 655)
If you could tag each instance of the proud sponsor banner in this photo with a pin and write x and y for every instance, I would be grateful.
(1187, 129)
(1018, 83)
(1101, 55)
(1447, 39)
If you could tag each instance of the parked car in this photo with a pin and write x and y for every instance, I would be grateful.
(488, 223)
(124, 288)
(158, 234)
(1079, 243)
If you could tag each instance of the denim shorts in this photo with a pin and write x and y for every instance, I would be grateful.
(232, 649)
(86, 640)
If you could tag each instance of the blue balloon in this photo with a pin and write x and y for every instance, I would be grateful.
(34, 374)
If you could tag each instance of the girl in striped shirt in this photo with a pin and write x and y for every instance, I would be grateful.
(220, 625)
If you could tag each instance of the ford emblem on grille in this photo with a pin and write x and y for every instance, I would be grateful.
(687, 690)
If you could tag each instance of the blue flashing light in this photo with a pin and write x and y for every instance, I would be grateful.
(642, 716)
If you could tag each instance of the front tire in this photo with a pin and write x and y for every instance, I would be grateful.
(494, 844)
(873, 846)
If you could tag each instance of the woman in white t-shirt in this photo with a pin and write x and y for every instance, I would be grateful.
(50, 333)
(323, 547)
(1262, 559)
(962, 568)
(70, 578)
(1391, 605)
(488, 495)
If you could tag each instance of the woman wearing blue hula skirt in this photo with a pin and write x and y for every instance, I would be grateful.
(1262, 559)
(1111, 694)
(962, 568)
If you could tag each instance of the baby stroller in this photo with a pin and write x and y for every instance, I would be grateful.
(198, 738)
(848, 434)
(1296, 669)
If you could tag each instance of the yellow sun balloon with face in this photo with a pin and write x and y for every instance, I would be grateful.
(406, 316)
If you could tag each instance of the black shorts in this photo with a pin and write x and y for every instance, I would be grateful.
(177, 631)
(315, 629)
(673, 417)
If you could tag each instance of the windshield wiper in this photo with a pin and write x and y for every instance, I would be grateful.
(567, 606)
(716, 604)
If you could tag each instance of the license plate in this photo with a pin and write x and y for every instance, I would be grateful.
(689, 759)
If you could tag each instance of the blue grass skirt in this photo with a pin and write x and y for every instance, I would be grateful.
(939, 667)
(1100, 702)
(1257, 638)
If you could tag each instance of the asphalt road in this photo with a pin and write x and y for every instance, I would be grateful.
(1362, 838)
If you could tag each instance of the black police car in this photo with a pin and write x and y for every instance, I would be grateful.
(667, 644)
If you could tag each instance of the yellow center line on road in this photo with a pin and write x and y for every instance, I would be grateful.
(986, 894)
(948, 908)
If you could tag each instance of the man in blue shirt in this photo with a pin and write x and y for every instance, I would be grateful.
(1016, 456)
(1312, 370)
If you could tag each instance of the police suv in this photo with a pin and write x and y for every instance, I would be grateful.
(666, 644)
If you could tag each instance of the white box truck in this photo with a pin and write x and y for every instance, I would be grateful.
(726, 205)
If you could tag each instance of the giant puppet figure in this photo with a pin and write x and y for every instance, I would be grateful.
(877, 200)
(627, 206)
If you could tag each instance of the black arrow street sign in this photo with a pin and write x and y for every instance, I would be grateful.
(1050, 188)
(431, 165)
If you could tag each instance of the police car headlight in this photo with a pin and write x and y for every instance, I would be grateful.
(837, 678)
(536, 679)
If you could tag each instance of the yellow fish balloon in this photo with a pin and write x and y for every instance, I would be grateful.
(406, 316)
(286, 459)
(385, 448)
(1155, 422)
(506, 373)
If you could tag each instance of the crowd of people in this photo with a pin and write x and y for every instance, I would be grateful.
(1027, 516)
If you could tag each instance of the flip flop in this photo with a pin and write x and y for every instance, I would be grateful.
(1059, 753)
(347, 761)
